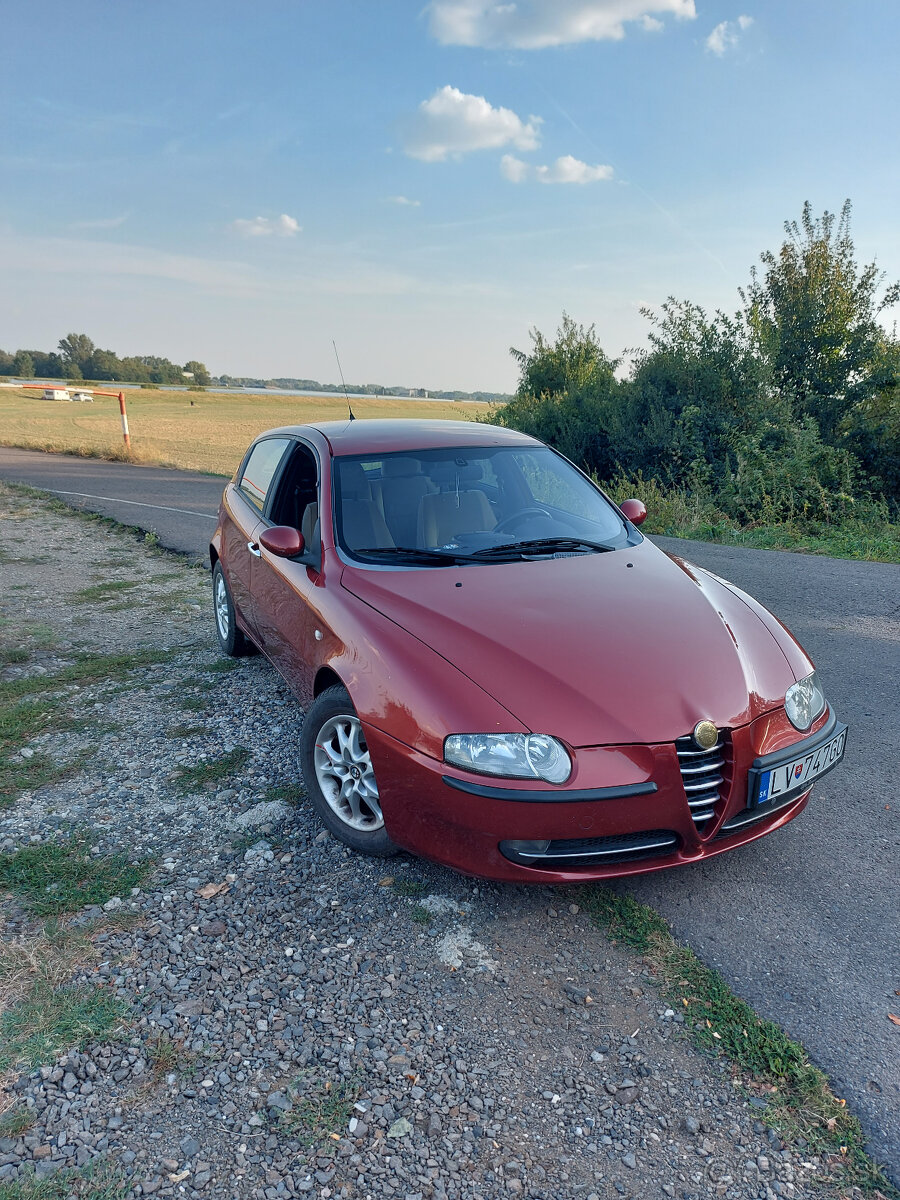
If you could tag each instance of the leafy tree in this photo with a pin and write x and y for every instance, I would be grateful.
(23, 365)
(564, 394)
(6, 363)
(199, 372)
(813, 312)
(574, 362)
(76, 350)
(872, 429)
(696, 388)
(102, 364)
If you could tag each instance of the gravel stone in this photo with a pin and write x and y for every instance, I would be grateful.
(505, 1049)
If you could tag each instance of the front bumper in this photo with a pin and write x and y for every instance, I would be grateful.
(624, 812)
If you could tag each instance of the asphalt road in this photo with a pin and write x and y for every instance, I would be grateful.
(803, 924)
(180, 507)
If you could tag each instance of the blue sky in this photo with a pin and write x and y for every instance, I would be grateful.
(242, 183)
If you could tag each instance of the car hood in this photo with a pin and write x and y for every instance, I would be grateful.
(598, 649)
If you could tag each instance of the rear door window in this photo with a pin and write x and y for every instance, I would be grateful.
(259, 471)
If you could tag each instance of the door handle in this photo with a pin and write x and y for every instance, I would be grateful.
(254, 549)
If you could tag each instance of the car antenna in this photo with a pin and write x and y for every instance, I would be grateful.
(346, 393)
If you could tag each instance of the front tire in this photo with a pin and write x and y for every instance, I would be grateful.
(231, 640)
(339, 775)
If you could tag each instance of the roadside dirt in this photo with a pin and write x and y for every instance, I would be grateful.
(295, 1019)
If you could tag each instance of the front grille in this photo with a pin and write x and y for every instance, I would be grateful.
(570, 854)
(704, 774)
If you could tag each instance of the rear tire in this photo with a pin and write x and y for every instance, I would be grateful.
(232, 641)
(339, 776)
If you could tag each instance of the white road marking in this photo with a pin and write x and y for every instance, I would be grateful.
(138, 503)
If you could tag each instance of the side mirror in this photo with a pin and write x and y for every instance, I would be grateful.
(634, 510)
(283, 541)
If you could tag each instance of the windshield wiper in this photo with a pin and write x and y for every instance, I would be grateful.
(548, 545)
(437, 558)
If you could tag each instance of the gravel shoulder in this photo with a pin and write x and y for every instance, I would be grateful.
(301, 1020)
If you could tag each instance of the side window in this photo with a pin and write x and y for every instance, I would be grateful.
(297, 489)
(260, 469)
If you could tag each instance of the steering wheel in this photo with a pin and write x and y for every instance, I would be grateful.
(511, 523)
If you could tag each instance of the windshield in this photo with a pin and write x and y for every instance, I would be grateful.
(430, 507)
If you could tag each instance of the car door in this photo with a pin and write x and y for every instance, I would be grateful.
(244, 502)
(288, 593)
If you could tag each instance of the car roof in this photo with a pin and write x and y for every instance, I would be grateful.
(386, 435)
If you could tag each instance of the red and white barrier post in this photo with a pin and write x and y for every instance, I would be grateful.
(124, 421)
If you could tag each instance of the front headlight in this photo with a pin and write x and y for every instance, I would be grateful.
(515, 755)
(804, 701)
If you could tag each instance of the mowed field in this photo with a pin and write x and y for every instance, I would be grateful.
(210, 435)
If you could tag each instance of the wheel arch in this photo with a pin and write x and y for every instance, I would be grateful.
(326, 677)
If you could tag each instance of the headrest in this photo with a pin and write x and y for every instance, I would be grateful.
(400, 468)
(354, 485)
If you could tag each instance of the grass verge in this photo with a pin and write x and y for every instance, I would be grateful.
(677, 512)
(58, 877)
(800, 1103)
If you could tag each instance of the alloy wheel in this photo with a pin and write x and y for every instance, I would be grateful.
(345, 775)
(221, 602)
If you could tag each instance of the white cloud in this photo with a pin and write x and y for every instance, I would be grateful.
(283, 226)
(452, 123)
(650, 24)
(101, 223)
(403, 201)
(535, 24)
(726, 34)
(565, 170)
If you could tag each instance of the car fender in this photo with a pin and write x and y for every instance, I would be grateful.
(403, 687)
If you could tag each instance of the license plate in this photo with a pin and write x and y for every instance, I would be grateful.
(794, 776)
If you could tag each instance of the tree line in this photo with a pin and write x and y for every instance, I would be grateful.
(76, 357)
(789, 408)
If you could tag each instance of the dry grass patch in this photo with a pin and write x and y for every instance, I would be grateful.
(211, 435)
(42, 1014)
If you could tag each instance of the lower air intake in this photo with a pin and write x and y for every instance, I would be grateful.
(571, 854)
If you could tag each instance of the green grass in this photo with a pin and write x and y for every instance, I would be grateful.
(181, 732)
(409, 887)
(50, 1020)
(98, 1180)
(102, 591)
(203, 774)
(166, 1054)
(85, 669)
(223, 665)
(58, 877)
(421, 915)
(321, 1110)
(288, 793)
(800, 1101)
(15, 1121)
(20, 721)
(12, 655)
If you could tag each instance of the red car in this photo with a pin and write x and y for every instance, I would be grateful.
(499, 671)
